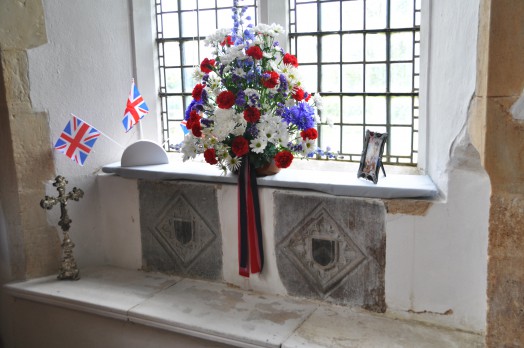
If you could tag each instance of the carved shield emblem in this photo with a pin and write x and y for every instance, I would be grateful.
(183, 230)
(324, 251)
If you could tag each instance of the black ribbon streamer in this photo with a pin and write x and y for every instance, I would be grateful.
(250, 247)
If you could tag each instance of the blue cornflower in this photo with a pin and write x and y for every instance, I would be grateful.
(301, 115)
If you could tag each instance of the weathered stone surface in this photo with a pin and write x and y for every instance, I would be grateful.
(506, 302)
(506, 48)
(16, 36)
(34, 247)
(498, 138)
(331, 248)
(504, 146)
(407, 206)
(16, 79)
(180, 229)
(506, 272)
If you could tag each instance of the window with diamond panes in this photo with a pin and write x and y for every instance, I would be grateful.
(182, 25)
(363, 57)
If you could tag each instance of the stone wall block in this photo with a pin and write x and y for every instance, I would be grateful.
(506, 41)
(32, 149)
(43, 251)
(16, 80)
(506, 307)
(507, 226)
(331, 248)
(16, 36)
(477, 125)
(504, 146)
(481, 87)
(180, 228)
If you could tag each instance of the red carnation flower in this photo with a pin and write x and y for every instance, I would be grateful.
(197, 130)
(271, 80)
(240, 146)
(207, 65)
(290, 59)
(194, 118)
(197, 91)
(210, 156)
(251, 114)
(298, 94)
(227, 41)
(255, 52)
(283, 159)
(226, 99)
(310, 133)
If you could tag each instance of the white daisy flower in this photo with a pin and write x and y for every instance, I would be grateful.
(308, 146)
(233, 163)
(258, 144)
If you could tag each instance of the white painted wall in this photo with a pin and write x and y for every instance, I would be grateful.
(452, 48)
(86, 69)
(439, 262)
(434, 263)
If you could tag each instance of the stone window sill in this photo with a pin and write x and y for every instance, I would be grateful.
(216, 312)
(332, 177)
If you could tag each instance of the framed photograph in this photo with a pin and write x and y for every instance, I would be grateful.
(371, 160)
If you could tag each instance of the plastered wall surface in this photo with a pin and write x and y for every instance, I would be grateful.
(85, 68)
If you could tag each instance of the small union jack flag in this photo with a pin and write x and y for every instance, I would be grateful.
(136, 108)
(77, 140)
(183, 125)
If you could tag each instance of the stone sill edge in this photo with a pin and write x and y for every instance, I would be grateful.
(114, 313)
(394, 186)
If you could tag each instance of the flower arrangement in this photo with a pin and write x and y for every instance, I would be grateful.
(249, 103)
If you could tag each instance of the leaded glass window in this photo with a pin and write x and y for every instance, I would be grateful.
(182, 25)
(363, 56)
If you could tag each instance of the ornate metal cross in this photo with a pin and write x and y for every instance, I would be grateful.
(68, 268)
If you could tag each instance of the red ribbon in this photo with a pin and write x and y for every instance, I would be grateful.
(250, 248)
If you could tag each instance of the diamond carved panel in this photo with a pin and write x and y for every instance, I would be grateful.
(180, 228)
(182, 231)
(331, 248)
(322, 251)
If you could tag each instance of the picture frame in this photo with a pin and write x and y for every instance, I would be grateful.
(371, 160)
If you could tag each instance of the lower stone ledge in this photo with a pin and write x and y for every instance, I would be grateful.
(219, 314)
